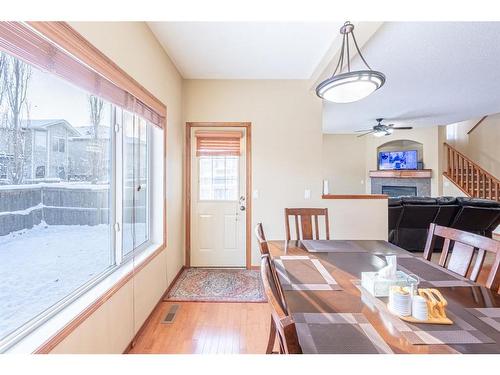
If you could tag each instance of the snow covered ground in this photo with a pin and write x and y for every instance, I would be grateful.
(40, 266)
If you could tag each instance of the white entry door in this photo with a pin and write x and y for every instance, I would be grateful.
(218, 217)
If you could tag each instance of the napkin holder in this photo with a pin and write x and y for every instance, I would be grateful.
(379, 286)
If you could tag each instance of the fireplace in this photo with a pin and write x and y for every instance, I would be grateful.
(399, 191)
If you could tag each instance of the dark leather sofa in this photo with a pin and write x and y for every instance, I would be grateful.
(409, 218)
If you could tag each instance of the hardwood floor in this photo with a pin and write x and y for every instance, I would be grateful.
(203, 327)
(208, 327)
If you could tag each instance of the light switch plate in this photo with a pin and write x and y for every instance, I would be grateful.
(307, 194)
(255, 194)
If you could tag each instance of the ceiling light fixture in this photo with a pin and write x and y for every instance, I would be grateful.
(350, 86)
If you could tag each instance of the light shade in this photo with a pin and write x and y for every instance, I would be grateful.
(351, 86)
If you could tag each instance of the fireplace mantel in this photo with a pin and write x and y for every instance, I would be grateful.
(409, 173)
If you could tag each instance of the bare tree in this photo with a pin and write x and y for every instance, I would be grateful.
(17, 75)
(3, 61)
(96, 105)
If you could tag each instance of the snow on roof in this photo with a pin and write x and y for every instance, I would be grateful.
(44, 124)
(87, 132)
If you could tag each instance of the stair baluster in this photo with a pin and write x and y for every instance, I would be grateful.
(470, 177)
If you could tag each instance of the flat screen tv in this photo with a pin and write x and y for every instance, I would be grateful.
(398, 159)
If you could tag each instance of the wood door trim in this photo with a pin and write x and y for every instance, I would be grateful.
(187, 184)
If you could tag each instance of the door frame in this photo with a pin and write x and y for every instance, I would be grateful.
(187, 184)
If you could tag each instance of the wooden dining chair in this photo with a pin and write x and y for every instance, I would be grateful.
(282, 324)
(261, 239)
(306, 217)
(264, 251)
(460, 248)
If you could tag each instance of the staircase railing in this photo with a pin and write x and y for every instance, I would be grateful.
(470, 177)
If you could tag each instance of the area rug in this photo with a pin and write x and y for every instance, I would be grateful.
(218, 285)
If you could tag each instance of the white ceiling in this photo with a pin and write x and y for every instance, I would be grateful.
(246, 50)
(437, 73)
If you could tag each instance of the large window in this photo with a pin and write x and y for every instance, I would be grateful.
(74, 192)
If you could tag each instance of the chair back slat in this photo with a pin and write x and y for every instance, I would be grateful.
(316, 222)
(285, 326)
(307, 227)
(463, 250)
(460, 259)
(478, 264)
(306, 223)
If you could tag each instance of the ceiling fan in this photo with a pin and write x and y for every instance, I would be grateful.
(381, 130)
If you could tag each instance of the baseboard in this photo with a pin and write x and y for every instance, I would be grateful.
(143, 326)
(173, 282)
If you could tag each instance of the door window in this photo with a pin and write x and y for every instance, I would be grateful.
(218, 178)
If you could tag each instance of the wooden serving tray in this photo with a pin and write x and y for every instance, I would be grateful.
(431, 320)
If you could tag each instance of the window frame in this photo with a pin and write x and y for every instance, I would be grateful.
(117, 259)
(56, 141)
(66, 40)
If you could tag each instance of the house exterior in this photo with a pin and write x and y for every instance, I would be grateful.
(45, 153)
(48, 156)
(54, 150)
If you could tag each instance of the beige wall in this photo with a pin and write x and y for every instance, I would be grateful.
(344, 164)
(287, 146)
(347, 159)
(450, 189)
(112, 327)
(482, 145)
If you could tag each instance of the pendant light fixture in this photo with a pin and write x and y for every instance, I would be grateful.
(350, 86)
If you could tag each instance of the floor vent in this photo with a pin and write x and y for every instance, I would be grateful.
(172, 312)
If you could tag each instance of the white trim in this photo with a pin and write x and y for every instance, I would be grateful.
(117, 136)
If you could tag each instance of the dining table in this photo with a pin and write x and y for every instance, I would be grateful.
(334, 314)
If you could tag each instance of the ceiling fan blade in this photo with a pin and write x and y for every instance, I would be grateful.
(403, 128)
(366, 130)
(362, 135)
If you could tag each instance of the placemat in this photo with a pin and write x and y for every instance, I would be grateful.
(432, 273)
(336, 333)
(304, 273)
(329, 246)
(489, 315)
(460, 332)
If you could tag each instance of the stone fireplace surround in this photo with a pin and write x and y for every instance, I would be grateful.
(423, 185)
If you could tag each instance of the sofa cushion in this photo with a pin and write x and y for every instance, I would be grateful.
(418, 200)
(446, 200)
(394, 202)
(477, 202)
